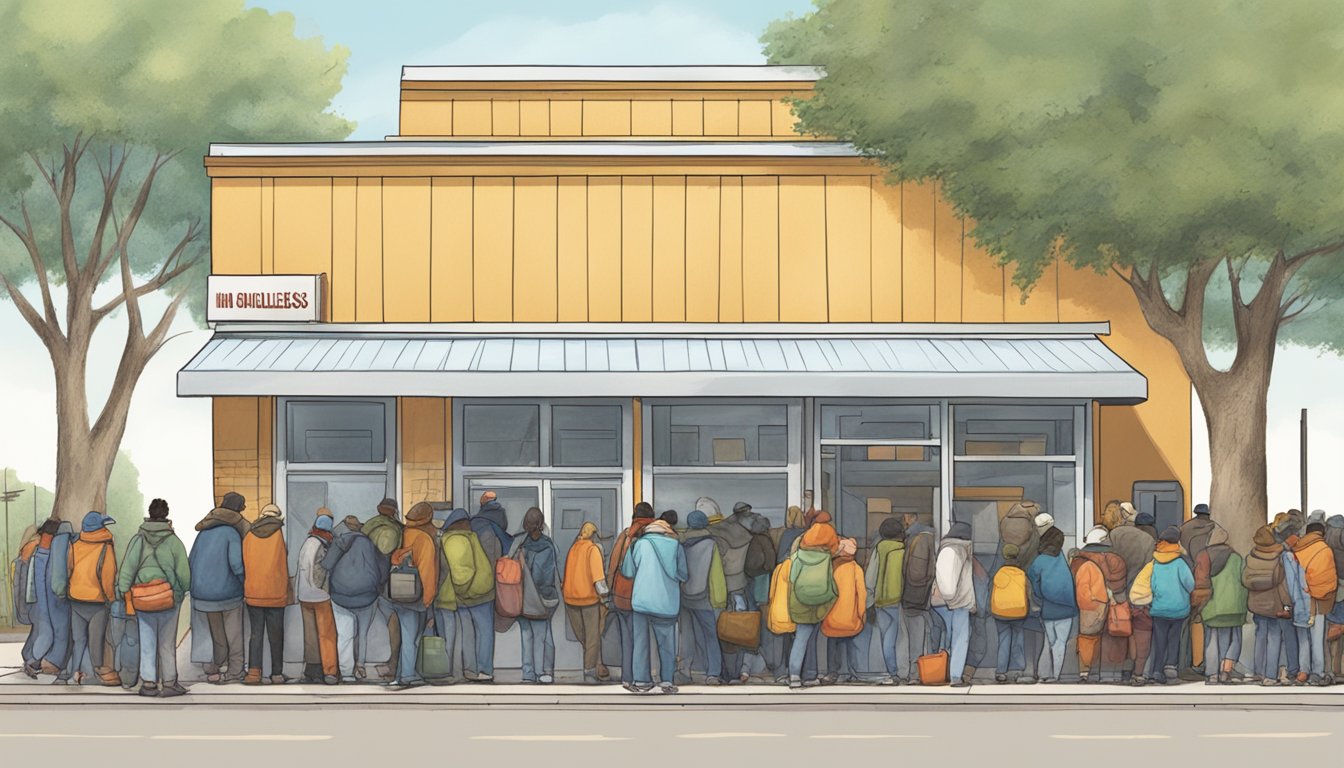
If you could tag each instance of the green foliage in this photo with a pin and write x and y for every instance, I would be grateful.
(158, 76)
(1119, 132)
(125, 503)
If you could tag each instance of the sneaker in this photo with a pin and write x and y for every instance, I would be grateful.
(1316, 681)
(1269, 682)
(813, 683)
(359, 673)
(481, 678)
(827, 679)
(1025, 680)
(1001, 679)
(149, 690)
(713, 680)
(170, 690)
(1138, 681)
(887, 681)
(330, 680)
(529, 681)
(666, 687)
(1049, 680)
(279, 680)
(962, 683)
(546, 679)
(638, 687)
(1212, 681)
(795, 683)
(31, 671)
(348, 679)
(214, 678)
(108, 678)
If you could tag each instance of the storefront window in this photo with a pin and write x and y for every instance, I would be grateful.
(696, 435)
(879, 422)
(1014, 430)
(335, 432)
(766, 493)
(862, 485)
(983, 491)
(506, 435)
(586, 435)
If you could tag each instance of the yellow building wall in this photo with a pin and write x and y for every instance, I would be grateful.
(425, 428)
(243, 442)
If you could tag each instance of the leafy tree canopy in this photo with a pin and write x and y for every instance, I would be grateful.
(1129, 133)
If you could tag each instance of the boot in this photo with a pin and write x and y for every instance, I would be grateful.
(109, 678)
(48, 668)
(253, 677)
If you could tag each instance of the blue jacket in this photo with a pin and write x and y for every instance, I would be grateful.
(1172, 584)
(1296, 581)
(357, 570)
(657, 564)
(216, 562)
(1052, 586)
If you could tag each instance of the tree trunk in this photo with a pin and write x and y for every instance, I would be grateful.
(1236, 412)
(83, 463)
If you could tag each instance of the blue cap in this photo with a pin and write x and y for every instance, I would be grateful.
(697, 520)
(456, 516)
(95, 521)
(324, 523)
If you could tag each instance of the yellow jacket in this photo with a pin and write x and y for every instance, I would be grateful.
(845, 619)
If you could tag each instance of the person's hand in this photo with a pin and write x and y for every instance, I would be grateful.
(429, 622)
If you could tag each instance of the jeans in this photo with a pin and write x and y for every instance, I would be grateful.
(412, 623)
(1011, 653)
(889, 635)
(1315, 657)
(268, 623)
(1166, 645)
(842, 657)
(226, 640)
(664, 632)
(917, 627)
(809, 670)
(158, 645)
(625, 622)
(705, 635)
(445, 626)
(352, 635)
(89, 632)
(532, 631)
(483, 626)
(586, 621)
(1220, 644)
(1268, 642)
(804, 647)
(958, 641)
(1051, 665)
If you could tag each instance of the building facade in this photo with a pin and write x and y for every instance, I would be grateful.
(580, 287)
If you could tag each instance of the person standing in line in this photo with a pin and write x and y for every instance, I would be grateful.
(1018, 527)
(24, 601)
(419, 552)
(1052, 585)
(920, 571)
(1009, 606)
(92, 582)
(156, 557)
(1269, 602)
(1220, 599)
(734, 539)
(1296, 630)
(266, 593)
(884, 579)
(1099, 578)
(703, 595)
(1334, 536)
(1318, 565)
(468, 592)
(794, 526)
(954, 597)
(811, 593)
(585, 590)
(319, 623)
(845, 619)
(1195, 534)
(357, 575)
(656, 566)
(622, 586)
(541, 596)
(1134, 540)
(1172, 582)
(217, 585)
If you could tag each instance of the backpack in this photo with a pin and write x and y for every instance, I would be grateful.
(811, 578)
(890, 580)
(508, 588)
(919, 566)
(1058, 591)
(403, 581)
(696, 585)
(1008, 599)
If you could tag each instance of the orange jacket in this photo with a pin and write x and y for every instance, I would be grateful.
(265, 565)
(621, 586)
(1318, 561)
(424, 556)
(583, 569)
(845, 619)
(84, 576)
(1089, 589)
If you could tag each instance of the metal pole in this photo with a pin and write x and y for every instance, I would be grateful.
(1302, 467)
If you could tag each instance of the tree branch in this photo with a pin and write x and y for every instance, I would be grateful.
(127, 226)
(111, 177)
(29, 313)
(29, 240)
(1323, 250)
(173, 266)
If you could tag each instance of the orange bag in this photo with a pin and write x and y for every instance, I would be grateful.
(508, 588)
(156, 595)
(933, 668)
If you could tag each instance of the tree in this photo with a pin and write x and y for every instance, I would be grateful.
(108, 109)
(1191, 148)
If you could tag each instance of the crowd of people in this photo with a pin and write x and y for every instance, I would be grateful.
(719, 600)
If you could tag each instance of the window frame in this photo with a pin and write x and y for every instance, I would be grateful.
(389, 467)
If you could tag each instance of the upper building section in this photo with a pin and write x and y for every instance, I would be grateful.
(721, 103)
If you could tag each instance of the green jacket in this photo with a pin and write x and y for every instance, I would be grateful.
(384, 532)
(155, 553)
(470, 576)
(885, 573)
(1227, 607)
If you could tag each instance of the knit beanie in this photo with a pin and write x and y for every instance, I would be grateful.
(1172, 535)
(233, 501)
(697, 520)
(1264, 537)
(1010, 551)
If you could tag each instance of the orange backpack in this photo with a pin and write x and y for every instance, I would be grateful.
(508, 588)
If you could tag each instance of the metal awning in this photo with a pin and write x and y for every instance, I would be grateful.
(1054, 360)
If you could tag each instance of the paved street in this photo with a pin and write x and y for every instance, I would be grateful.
(199, 735)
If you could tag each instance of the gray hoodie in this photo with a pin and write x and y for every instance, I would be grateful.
(956, 588)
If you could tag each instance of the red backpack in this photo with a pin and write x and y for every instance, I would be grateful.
(508, 588)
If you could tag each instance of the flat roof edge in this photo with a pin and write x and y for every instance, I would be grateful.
(606, 148)
(674, 330)
(669, 73)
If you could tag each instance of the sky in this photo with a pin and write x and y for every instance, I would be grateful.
(168, 438)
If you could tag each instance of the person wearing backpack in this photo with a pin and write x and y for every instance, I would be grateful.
(585, 591)
(811, 593)
(1099, 581)
(320, 663)
(156, 572)
(703, 595)
(91, 584)
(357, 576)
(468, 592)
(734, 539)
(541, 596)
(1172, 582)
(845, 619)
(884, 579)
(1221, 600)
(656, 566)
(1269, 602)
(622, 587)
(1018, 527)
(1318, 565)
(24, 602)
(384, 530)
(1053, 590)
(1133, 540)
(266, 593)
(217, 585)
(921, 554)
(1009, 604)
(51, 563)
(418, 558)
(954, 597)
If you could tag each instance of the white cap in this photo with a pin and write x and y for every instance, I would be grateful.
(1098, 535)
(1128, 512)
(1044, 521)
